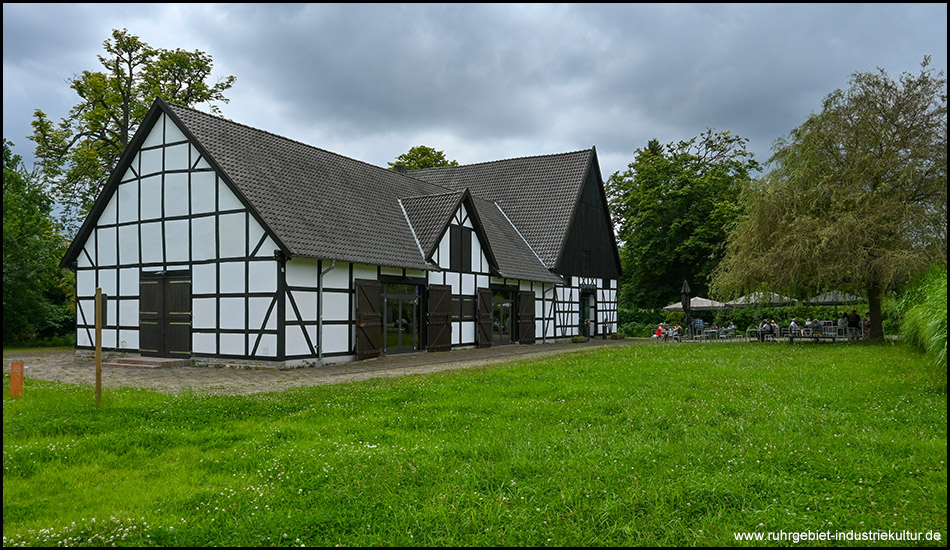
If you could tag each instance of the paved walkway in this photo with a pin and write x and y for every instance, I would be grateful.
(62, 366)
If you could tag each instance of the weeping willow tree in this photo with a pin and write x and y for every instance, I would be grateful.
(857, 198)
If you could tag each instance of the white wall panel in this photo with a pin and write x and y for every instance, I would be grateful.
(232, 344)
(204, 343)
(130, 174)
(151, 160)
(338, 277)
(263, 276)
(128, 244)
(176, 241)
(454, 280)
(481, 281)
(336, 338)
(176, 194)
(204, 279)
(85, 282)
(468, 332)
(468, 284)
(203, 313)
(444, 257)
(129, 313)
(336, 306)
(232, 277)
(156, 136)
(203, 238)
(106, 237)
(128, 201)
(108, 216)
(302, 272)
(232, 313)
(176, 156)
(109, 338)
(151, 198)
(202, 192)
(227, 200)
(129, 281)
(172, 132)
(232, 235)
(129, 339)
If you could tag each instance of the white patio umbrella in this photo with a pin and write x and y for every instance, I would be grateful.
(698, 304)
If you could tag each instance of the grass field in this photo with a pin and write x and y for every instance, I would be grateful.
(627, 446)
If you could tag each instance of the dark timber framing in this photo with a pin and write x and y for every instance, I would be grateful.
(276, 261)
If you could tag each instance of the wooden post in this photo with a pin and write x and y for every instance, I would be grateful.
(98, 346)
(16, 379)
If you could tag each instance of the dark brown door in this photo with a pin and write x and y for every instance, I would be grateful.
(440, 318)
(483, 326)
(526, 317)
(165, 315)
(369, 325)
(151, 311)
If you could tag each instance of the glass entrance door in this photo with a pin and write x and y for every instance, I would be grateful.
(401, 324)
(502, 316)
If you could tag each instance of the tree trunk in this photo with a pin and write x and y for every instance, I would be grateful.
(875, 295)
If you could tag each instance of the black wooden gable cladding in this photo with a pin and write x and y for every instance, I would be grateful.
(589, 248)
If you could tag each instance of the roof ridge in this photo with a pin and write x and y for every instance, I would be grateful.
(505, 160)
(431, 194)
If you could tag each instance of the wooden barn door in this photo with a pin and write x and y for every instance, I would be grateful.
(483, 325)
(440, 318)
(526, 317)
(165, 315)
(369, 325)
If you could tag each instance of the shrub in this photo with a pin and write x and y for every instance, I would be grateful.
(925, 318)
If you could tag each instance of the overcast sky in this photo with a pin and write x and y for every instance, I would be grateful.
(488, 81)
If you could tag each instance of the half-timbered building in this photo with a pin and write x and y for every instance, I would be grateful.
(217, 242)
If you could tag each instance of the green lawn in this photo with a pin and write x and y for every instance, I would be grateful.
(639, 445)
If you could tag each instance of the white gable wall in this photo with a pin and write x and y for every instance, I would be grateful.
(171, 212)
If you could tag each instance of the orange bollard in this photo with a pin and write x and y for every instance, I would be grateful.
(16, 379)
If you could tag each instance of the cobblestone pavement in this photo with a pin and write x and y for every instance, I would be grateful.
(62, 366)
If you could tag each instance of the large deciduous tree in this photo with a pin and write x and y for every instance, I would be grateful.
(420, 157)
(857, 199)
(76, 155)
(35, 290)
(672, 207)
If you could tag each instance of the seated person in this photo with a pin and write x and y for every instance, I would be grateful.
(793, 327)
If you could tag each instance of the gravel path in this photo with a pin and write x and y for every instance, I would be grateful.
(62, 366)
